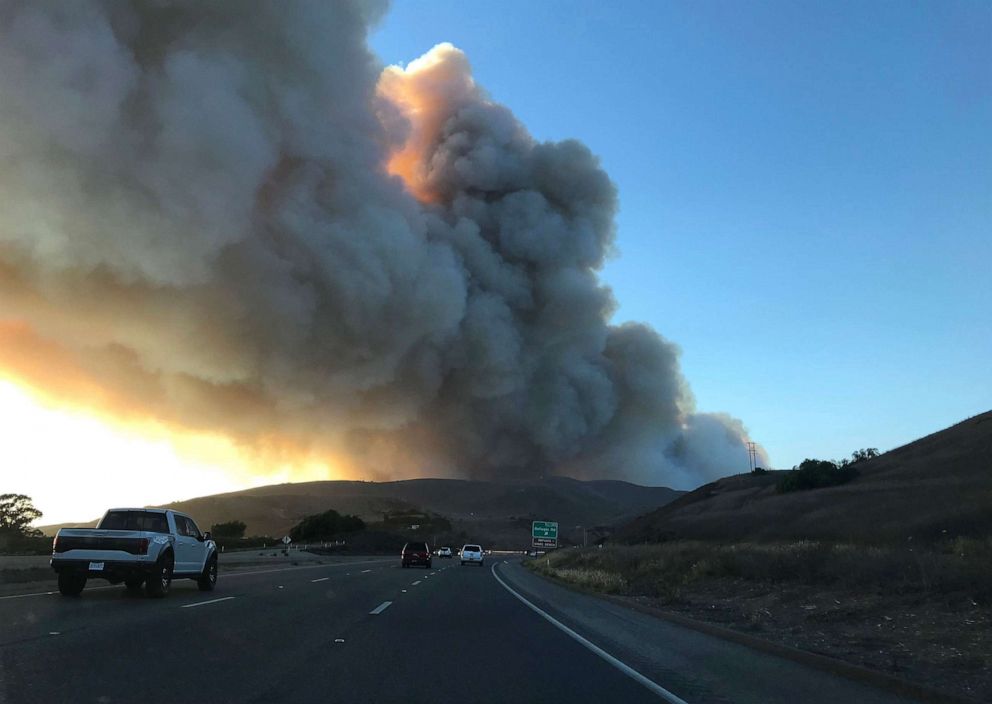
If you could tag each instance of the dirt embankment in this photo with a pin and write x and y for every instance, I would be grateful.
(924, 615)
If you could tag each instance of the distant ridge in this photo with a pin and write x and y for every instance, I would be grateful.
(937, 487)
(497, 508)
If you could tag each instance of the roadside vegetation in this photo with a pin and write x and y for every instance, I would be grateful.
(959, 569)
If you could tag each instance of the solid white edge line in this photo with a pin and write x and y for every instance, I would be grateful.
(380, 608)
(623, 667)
(204, 603)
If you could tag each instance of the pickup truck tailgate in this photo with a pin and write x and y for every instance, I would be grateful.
(128, 541)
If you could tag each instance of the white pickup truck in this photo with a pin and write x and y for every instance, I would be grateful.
(137, 546)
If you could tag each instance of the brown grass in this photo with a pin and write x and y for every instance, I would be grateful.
(931, 490)
(961, 568)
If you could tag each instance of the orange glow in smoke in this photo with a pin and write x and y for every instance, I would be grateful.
(426, 93)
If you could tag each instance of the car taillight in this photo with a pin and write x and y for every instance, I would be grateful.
(143, 546)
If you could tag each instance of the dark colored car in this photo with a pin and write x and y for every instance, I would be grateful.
(416, 554)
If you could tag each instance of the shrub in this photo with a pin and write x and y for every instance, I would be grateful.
(16, 544)
(231, 529)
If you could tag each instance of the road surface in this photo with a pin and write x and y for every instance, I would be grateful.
(368, 631)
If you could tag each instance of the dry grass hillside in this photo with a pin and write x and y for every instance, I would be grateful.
(891, 571)
(498, 510)
(935, 488)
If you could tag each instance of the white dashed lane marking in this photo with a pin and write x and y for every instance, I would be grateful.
(380, 608)
(204, 603)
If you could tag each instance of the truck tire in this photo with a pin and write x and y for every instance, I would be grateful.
(71, 584)
(134, 584)
(208, 579)
(160, 580)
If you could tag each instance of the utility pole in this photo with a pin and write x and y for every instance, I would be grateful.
(752, 456)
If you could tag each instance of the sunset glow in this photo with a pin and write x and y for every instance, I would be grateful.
(76, 465)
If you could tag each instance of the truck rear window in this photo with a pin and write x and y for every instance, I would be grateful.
(150, 521)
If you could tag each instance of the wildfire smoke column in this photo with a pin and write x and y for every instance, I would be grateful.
(229, 217)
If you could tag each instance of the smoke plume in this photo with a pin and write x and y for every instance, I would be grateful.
(229, 216)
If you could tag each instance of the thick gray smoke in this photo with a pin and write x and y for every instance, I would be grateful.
(195, 209)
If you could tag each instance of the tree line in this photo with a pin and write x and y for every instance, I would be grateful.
(816, 474)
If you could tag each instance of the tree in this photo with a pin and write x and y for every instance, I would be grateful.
(231, 529)
(16, 513)
(865, 454)
(816, 474)
(325, 525)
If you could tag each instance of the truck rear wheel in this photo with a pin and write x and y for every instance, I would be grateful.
(158, 582)
(208, 580)
(71, 584)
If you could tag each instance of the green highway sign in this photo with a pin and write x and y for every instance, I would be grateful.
(544, 534)
(544, 529)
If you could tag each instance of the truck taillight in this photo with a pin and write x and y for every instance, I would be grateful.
(55, 544)
(143, 546)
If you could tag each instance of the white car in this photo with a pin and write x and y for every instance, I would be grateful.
(444, 552)
(471, 554)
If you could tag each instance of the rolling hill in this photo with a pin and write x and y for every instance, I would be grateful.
(937, 487)
(494, 511)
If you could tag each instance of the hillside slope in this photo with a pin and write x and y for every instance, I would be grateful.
(937, 487)
(496, 509)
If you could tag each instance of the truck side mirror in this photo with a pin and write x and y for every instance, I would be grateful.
(205, 536)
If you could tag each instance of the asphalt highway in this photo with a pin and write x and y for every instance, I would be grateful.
(368, 631)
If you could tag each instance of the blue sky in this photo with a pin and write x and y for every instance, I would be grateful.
(806, 192)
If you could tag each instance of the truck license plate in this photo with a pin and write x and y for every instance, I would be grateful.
(96, 566)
